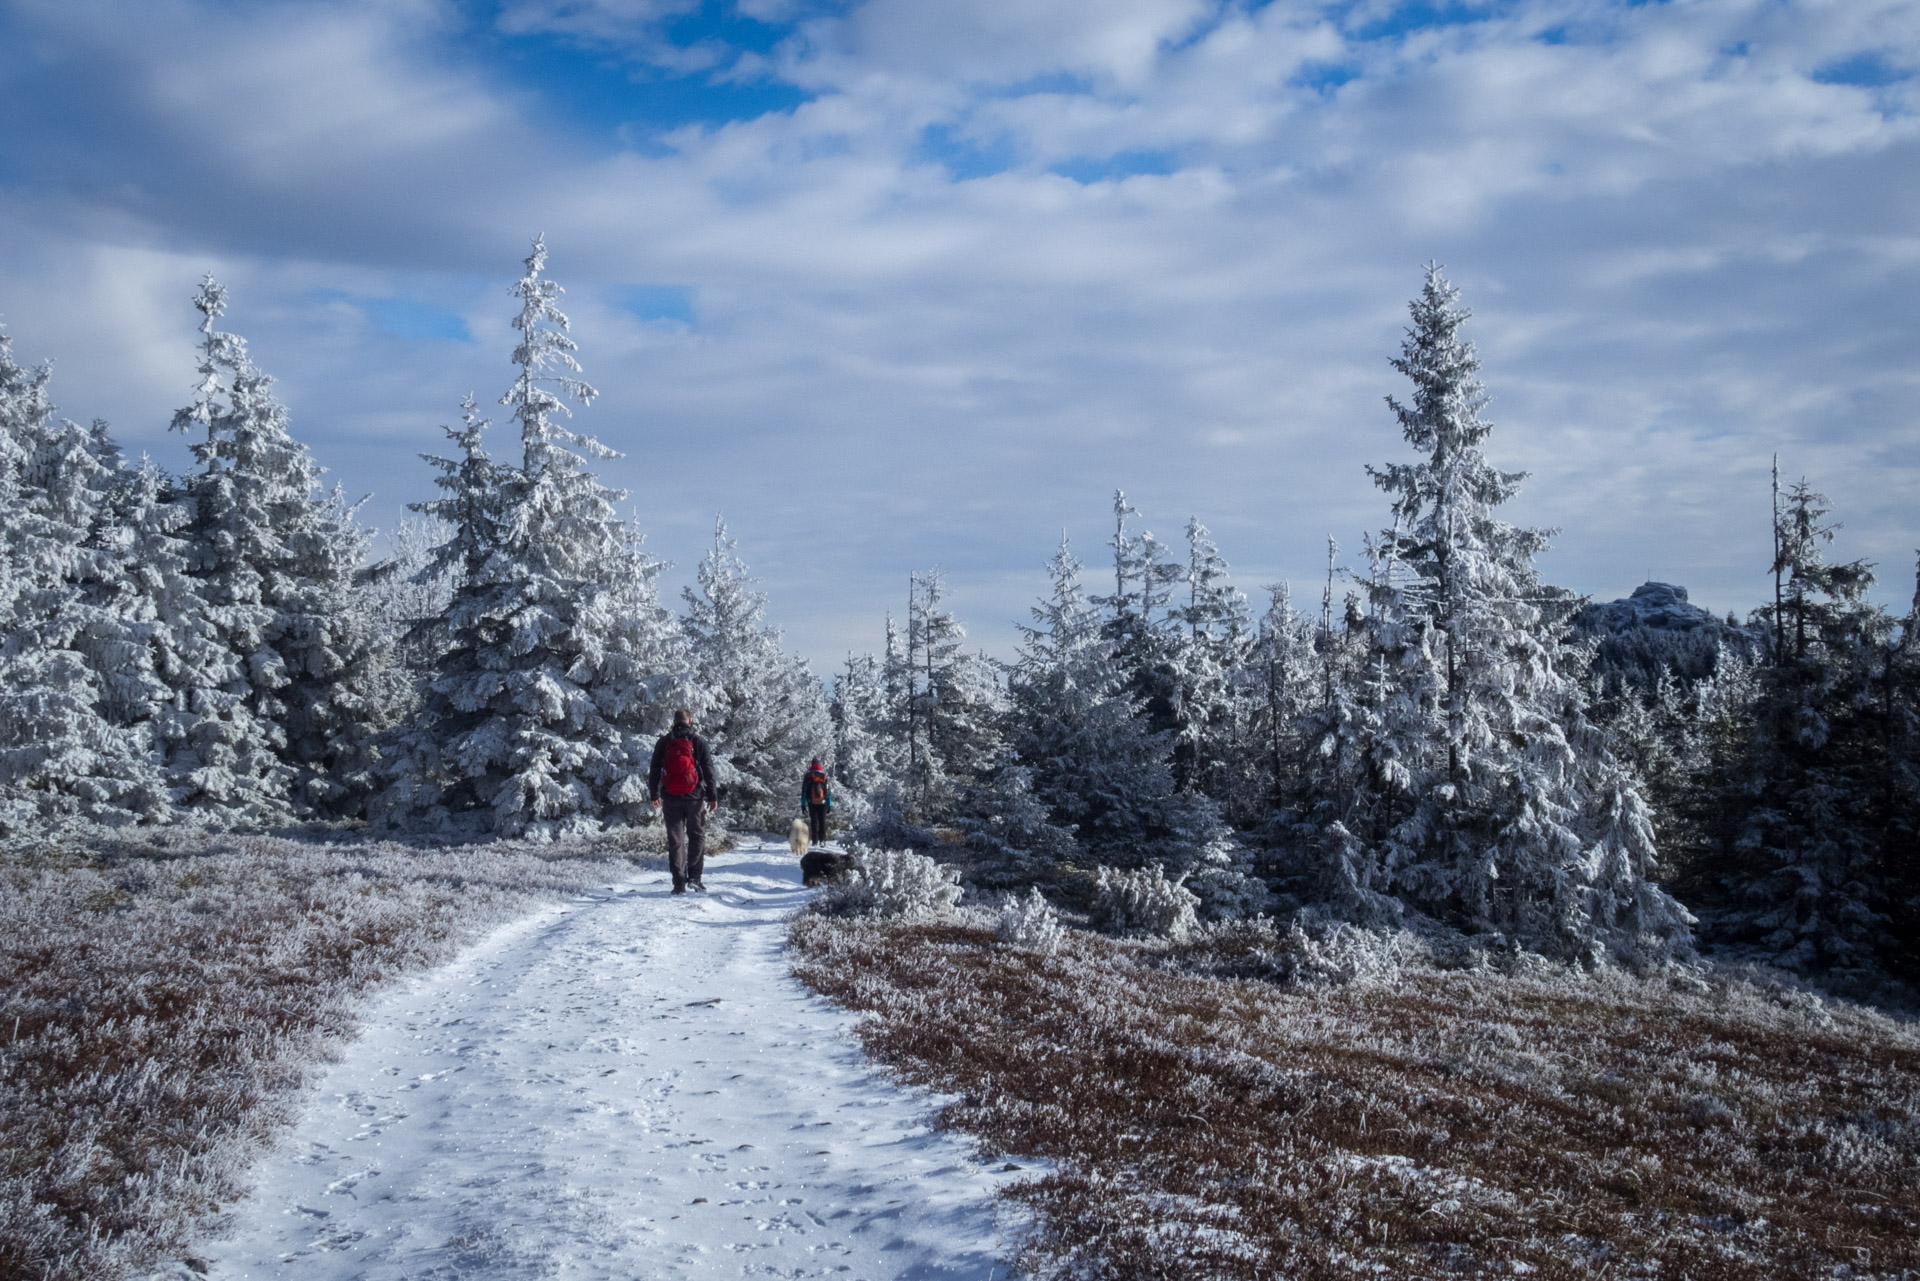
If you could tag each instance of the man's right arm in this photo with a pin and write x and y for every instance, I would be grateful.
(653, 770)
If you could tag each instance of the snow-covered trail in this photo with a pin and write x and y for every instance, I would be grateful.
(628, 1085)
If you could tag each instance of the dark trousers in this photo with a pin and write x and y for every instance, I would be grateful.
(686, 818)
(817, 815)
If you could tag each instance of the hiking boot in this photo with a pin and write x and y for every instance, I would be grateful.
(679, 889)
(699, 885)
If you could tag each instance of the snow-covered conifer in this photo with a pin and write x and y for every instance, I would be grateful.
(897, 885)
(1276, 690)
(1495, 803)
(765, 714)
(410, 593)
(197, 717)
(1208, 648)
(1827, 788)
(276, 557)
(1099, 770)
(864, 754)
(76, 688)
(555, 663)
(1139, 622)
(954, 701)
(1029, 923)
(1144, 901)
(1011, 837)
(947, 704)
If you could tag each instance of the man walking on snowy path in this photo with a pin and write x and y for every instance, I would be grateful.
(682, 767)
(818, 798)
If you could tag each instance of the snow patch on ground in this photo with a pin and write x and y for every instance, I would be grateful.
(628, 1084)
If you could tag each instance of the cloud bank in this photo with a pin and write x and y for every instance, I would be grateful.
(895, 284)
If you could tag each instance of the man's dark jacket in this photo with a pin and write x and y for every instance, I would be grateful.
(702, 764)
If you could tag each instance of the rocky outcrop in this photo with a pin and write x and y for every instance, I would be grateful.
(1655, 630)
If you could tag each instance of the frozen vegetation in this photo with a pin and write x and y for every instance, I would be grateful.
(1447, 746)
(1447, 741)
(895, 885)
(1262, 1103)
(162, 1001)
(1405, 910)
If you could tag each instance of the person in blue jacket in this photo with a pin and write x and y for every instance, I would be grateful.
(817, 797)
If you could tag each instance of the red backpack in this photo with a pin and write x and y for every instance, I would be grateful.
(683, 779)
(816, 787)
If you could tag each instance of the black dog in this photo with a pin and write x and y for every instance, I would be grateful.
(818, 865)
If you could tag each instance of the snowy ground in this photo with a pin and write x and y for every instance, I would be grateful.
(627, 1085)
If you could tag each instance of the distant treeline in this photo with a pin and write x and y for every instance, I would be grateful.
(1441, 741)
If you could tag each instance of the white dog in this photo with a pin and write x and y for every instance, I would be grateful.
(800, 836)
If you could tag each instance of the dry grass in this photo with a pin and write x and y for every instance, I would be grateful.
(1428, 1124)
(159, 1007)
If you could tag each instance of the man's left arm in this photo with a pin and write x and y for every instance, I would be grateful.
(703, 760)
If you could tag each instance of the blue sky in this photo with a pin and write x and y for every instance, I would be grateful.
(894, 285)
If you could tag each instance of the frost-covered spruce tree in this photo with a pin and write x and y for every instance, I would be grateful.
(457, 646)
(1826, 795)
(1683, 740)
(408, 593)
(1265, 766)
(924, 789)
(1497, 804)
(1090, 758)
(864, 755)
(556, 665)
(201, 712)
(76, 688)
(1901, 699)
(1011, 838)
(1328, 828)
(953, 704)
(276, 557)
(1209, 647)
(1139, 622)
(765, 715)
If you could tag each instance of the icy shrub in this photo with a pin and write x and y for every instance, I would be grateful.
(1029, 923)
(894, 885)
(1308, 951)
(1144, 901)
(1342, 954)
(885, 824)
(1227, 893)
(1199, 1128)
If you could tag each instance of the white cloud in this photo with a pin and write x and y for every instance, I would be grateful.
(1685, 252)
(999, 42)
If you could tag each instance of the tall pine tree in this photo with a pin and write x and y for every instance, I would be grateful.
(766, 715)
(1825, 800)
(76, 684)
(555, 663)
(1495, 802)
(276, 557)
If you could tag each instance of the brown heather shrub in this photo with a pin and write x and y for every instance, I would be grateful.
(160, 1004)
(1424, 1124)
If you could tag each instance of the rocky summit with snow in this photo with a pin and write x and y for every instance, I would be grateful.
(1660, 606)
(1654, 633)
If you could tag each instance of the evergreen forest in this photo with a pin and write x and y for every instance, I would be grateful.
(1431, 739)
